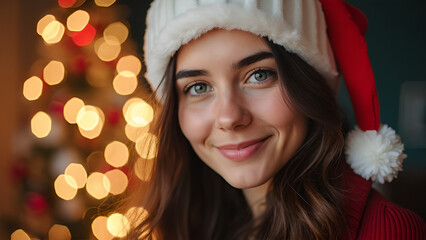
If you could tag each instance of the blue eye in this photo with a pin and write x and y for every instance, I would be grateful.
(260, 75)
(198, 88)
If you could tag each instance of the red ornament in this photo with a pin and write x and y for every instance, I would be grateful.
(113, 117)
(66, 3)
(85, 36)
(79, 65)
(36, 202)
(57, 107)
(18, 172)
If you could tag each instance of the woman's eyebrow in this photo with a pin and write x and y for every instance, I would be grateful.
(242, 63)
(252, 59)
(190, 73)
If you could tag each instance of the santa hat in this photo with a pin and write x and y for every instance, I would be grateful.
(321, 32)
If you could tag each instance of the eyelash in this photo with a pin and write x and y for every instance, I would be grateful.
(271, 73)
(193, 84)
(257, 70)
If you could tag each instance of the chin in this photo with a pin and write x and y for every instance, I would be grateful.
(245, 182)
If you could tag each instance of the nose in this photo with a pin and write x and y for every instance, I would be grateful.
(232, 113)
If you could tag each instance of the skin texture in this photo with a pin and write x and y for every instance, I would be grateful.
(233, 113)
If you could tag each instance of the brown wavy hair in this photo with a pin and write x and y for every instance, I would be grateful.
(187, 200)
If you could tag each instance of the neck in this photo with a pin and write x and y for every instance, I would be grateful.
(256, 198)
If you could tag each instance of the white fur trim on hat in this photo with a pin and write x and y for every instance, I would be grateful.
(375, 155)
(297, 25)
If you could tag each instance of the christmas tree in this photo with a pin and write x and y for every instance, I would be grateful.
(87, 114)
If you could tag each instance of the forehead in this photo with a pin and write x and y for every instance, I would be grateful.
(220, 43)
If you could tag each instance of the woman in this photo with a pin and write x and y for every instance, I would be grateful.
(250, 134)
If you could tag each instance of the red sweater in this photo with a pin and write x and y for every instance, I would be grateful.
(371, 216)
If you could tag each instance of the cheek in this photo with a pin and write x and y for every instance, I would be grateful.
(194, 124)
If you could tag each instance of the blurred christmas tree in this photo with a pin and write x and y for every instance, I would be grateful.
(85, 108)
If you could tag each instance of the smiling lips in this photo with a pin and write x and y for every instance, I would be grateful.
(242, 151)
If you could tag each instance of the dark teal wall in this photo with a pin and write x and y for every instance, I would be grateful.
(396, 39)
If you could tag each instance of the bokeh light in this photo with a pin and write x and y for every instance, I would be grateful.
(33, 87)
(99, 228)
(125, 83)
(88, 117)
(85, 36)
(116, 154)
(132, 133)
(71, 109)
(78, 173)
(65, 187)
(118, 180)
(143, 169)
(41, 124)
(43, 22)
(78, 20)
(146, 146)
(19, 235)
(138, 113)
(90, 121)
(104, 3)
(66, 3)
(129, 63)
(59, 232)
(116, 32)
(98, 185)
(118, 225)
(53, 32)
(54, 72)
(107, 51)
(135, 215)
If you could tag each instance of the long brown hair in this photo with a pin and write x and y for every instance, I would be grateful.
(187, 200)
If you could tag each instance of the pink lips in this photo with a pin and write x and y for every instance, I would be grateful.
(242, 151)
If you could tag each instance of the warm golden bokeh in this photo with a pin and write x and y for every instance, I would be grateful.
(116, 32)
(118, 180)
(107, 50)
(65, 187)
(43, 22)
(71, 109)
(116, 154)
(53, 32)
(129, 63)
(88, 117)
(59, 232)
(143, 169)
(138, 113)
(99, 228)
(33, 87)
(118, 225)
(92, 122)
(78, 20)
(41, 124)
(125, 83)
(54, 72)
(133, 133)
(104, 3)
(78, 173)
(98, 185)
(146, 146)
(19, 235)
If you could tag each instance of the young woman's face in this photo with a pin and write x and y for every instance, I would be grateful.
(231, 108)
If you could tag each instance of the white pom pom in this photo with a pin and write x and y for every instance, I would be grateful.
(375, 155)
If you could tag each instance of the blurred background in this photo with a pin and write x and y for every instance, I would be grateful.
(72, 107)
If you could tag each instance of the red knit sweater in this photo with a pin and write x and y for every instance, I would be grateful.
(371, 216)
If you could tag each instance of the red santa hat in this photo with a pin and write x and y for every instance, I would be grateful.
(322, 32)
(373, 150)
